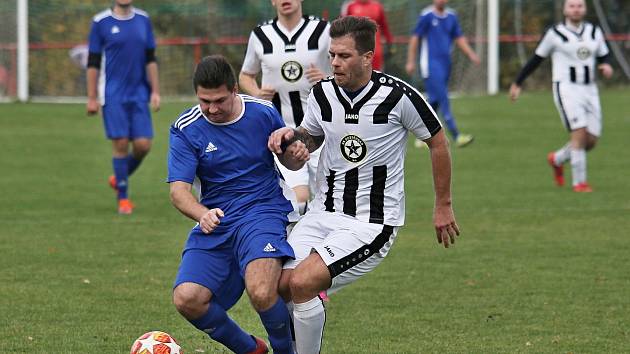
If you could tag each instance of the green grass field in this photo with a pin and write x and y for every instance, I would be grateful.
(538, 269)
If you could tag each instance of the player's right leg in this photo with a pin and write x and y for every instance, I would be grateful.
(116, 122)
(209, 283)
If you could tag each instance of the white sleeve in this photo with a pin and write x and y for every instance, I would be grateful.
(546, 45)
(311, 120)
(418, 117)
(251, 63)
(602, 48)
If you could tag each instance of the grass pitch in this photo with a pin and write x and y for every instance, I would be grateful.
(538, 269)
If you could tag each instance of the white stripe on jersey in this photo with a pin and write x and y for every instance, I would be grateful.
(248, 98)
(187, 118)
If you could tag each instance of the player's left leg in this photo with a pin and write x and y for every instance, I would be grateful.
(261, 247)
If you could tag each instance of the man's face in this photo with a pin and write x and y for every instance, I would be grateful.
(440, 4)
(574, 10)
(349, 67)
(287, 7)
(124, 3)
(217, 103)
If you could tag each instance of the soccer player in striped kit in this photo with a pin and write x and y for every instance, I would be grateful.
(364, 118)
(292, 53)
(577, 49)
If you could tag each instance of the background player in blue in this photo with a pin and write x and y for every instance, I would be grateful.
(438, 27)
(242, 212)
(122, 50)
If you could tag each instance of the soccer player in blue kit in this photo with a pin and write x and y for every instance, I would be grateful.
(242, 214)
(122, 51)
(437, 28)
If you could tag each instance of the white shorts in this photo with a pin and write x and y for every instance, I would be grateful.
(578, 106)
(305, 176)
(349, 247)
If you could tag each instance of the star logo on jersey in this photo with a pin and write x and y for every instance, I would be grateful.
(353, 148)
(115, 30)
(583, 53)
(291, 71)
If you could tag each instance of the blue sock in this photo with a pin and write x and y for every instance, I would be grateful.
(278, 325)
(221, 328)
(132, 164)
(445, 107)
(120, 171)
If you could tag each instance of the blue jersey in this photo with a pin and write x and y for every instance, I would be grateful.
(437, 34)
(123, 43)
(232, 161)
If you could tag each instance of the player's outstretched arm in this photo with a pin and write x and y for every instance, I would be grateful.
(446, 228)
(187, 204)
(287, 144)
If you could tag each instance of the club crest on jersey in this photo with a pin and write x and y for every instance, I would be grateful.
(583, 53)
(115, 30)
(291, 71)
(353, 148)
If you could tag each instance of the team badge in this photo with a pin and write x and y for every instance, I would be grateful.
(291, 71)
(583, 53)
(353, 148)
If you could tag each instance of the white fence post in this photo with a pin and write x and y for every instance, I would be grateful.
(493, 47)
(22, 50)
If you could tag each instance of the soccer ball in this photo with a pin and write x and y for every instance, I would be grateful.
(155, 342)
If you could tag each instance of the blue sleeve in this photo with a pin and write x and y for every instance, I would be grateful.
(276, 120)
(456, 31)
(182, 160)
(422, 26)
(95, 40)
(150, 36)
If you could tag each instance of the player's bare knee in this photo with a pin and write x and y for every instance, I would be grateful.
(302, 286)
(189, 303)
(262, 297)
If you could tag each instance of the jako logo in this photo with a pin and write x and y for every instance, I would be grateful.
(330, 252)
(352, 116)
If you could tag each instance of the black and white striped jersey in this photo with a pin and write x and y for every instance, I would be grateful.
(573, 53)
(361, 168)
(284, 56)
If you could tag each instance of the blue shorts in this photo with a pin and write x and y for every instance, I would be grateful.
(127, 120)
(222, 268)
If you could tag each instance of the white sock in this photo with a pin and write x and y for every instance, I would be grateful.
(578, 166)
(563, 154)
(309, 318)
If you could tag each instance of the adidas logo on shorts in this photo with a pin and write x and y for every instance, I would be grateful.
(269, 248)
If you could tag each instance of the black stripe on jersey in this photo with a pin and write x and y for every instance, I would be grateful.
(429, 119)
(572, 74)
(564, 38)
(277, 103)
(296, 106)
(329, 203)
(289, 45)
(350, 192)
(587, 74)
(262, 37)
(322, 101)
(381, 113)
(563, 113)
(377, 194)
(313, 40)
(593, 32)
(352, 111)
(362, 253)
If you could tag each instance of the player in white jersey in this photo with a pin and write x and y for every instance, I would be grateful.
(577, 49)
(292, 53)
(364, 117)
